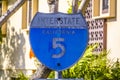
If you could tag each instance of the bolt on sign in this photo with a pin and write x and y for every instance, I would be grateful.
(58, 39)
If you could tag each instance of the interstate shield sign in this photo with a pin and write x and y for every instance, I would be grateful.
(57, 39)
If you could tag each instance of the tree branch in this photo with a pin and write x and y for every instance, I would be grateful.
(53, 5)
(74, 6)
(83, 5)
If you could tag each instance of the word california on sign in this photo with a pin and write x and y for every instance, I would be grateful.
(57, 39)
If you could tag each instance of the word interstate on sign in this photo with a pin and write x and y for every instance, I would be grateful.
(61, 20)
(54, 21)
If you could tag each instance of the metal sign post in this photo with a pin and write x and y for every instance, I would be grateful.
(58, 74)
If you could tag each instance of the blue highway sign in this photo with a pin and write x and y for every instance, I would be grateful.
(58, 39)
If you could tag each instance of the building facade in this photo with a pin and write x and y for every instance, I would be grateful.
(16, 55)
(108, 10)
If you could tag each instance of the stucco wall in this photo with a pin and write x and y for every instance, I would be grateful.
(113, 34)
(21, 41)
(15, 48)
(14, 55)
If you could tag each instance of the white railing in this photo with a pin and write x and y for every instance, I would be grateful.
(11, 11)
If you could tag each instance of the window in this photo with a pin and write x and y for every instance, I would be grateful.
(103, 8)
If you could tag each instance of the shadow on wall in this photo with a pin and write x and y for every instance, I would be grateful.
(12, 54)
(17, 42)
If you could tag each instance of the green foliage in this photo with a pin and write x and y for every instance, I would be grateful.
(90, 66)
(69, 11)
(21, 76)
(93, 66)
(115, 70)
(52, 75)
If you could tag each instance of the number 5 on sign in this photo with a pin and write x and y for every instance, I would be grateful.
(57, 44)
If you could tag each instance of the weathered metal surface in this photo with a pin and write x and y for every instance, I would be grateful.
(57, 39)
